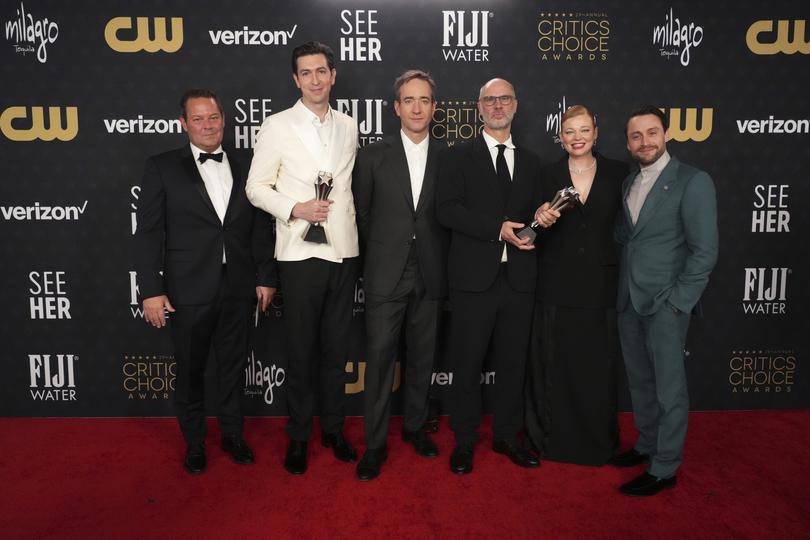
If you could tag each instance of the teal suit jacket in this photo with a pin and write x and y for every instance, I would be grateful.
(668, 254)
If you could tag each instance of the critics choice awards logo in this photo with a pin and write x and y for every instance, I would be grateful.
(29, 34)
(771, 213)
(674, 38)
(148, 377)
(359, 36)
(573, 37)
(465, 35)
(456, 121)
(756, 371)
(53, 377)
(49, 298)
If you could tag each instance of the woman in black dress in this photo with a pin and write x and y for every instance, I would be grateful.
(572, 372)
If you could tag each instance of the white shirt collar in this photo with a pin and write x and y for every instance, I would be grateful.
(409, 145)
(492, 142)
(314, 118)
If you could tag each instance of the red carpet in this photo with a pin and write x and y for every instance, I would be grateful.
(746, 475)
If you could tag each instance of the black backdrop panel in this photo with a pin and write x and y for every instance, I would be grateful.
(90, 90)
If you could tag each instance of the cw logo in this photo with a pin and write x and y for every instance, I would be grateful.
(782, 43)
(37, 129)
(360, 385)
(687, 129)
(142, 40)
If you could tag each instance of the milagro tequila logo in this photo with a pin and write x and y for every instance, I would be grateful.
(31, 35)
(261, 380)
(676, 39)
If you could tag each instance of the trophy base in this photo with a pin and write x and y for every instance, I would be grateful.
(526, 232)
(316, 235)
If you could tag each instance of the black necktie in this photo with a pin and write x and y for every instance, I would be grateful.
(502, 169)
(205, 156)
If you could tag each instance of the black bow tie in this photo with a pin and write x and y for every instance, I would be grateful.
(205, 156)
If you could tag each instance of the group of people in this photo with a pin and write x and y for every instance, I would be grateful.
(554, 297)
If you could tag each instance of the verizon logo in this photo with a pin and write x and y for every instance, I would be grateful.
(773, 125)
(39, 212)
(246, 36)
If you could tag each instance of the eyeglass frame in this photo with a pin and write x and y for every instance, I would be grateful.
(505, 100)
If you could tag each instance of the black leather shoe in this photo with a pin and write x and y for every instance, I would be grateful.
(340, 446)
(631, 458)
(646, 485)
(296, 460)
(461, 461)
(238, 449)
(195, 458)
(369, 466)
(519, 455)
(421, 442)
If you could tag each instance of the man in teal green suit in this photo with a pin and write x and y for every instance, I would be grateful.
(668, 236)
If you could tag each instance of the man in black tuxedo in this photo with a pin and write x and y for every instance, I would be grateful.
(205, 254)
(404, 275)
(489, 189)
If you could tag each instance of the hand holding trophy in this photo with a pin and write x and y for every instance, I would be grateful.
(562, 200)
(316, 233)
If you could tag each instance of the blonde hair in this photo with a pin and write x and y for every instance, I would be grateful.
(576, 110)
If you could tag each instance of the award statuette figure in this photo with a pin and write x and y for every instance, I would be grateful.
(323, 187)
(562, 200)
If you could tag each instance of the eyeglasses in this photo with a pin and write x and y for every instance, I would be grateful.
(489, 101)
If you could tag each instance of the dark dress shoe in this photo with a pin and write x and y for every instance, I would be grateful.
(195, 459)
(369, 466)
(461, 461)
(238, 449)
(519, 455)
(631, 458)
(296, 460)
(421, 442)
(646, 485)
(340, 446)
(431, 425)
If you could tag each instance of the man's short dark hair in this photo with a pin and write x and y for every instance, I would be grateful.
(313, 47)
(410, 75)
(198, 93)
(649, 109)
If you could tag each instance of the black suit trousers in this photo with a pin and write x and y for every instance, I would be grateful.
(318, 298)
(497, 319)
(223, 324)
(385, 315)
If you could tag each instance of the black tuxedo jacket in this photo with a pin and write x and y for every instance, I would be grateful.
(388, 221)
(179, 233)
(471, 203)
(578, 256)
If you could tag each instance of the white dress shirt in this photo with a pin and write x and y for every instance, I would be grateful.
(509, 156)
(218, 182)
(643, 183)
(416, 154)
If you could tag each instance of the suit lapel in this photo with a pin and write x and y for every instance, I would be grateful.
(308, 134)
(236, 177)
(483, 161)
(194, 175)
(625, 192)
(400, 171)
(657, 195)
(434, 147)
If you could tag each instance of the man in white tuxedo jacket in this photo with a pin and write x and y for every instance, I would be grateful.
(318, 279)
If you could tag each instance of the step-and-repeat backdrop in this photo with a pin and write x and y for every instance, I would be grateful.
(91, 89)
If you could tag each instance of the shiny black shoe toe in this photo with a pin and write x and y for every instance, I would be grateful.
(238, 449)
(461, 461)
(371, 463)
(195, 461)
(340, 446)
(516, 452)
(296, 459)
(647, 485)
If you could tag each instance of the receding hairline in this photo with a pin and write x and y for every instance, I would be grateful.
(493, 81)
